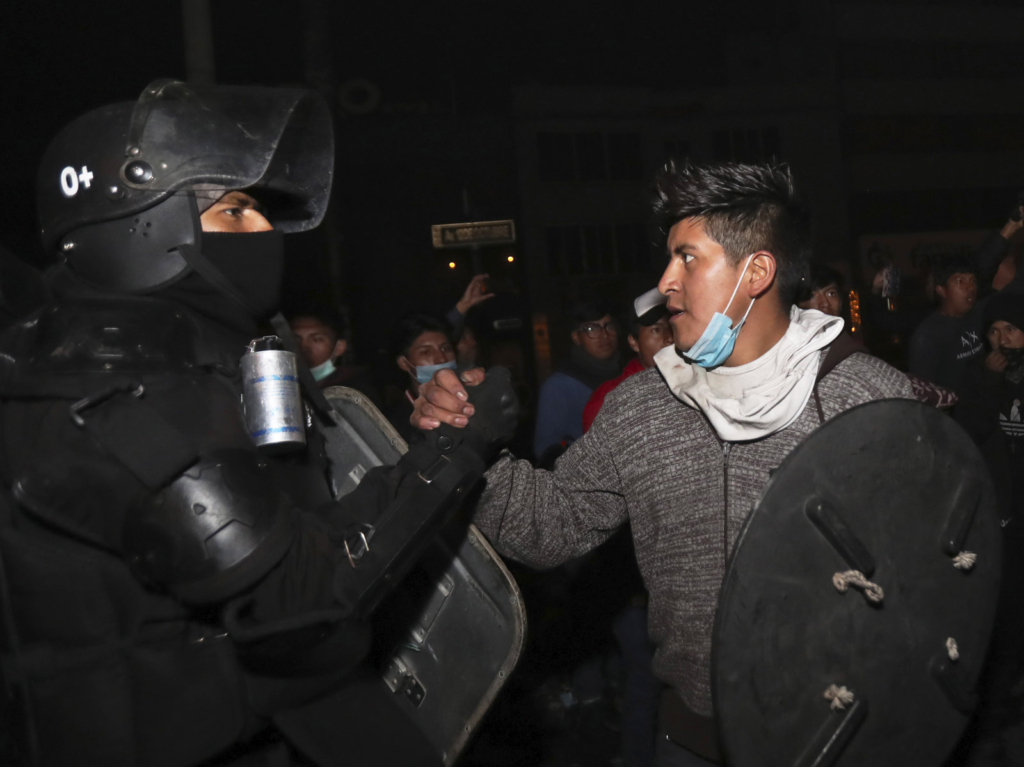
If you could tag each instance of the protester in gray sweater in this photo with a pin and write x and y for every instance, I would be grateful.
(683, 452)
(685, 492)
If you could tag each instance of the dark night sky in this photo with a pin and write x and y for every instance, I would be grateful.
(61, 58)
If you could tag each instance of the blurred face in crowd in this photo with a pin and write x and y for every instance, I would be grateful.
(466, 348)
(317, 342)
(431, 347)
(958, 294)
(826, 300)
(698, 281)
(599, 338)
(1005, 335)
(652, 339)
(235, 212)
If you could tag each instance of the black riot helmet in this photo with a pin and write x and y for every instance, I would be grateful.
(116, 188)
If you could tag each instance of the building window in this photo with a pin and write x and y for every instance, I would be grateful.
(927, 59)
(624, 161)
(677, 149)
(634, 248)
(555, 251)
(589, 157)
(746, 144)
(910, 134)
(573, 246)
(598, 249)
(556, 157)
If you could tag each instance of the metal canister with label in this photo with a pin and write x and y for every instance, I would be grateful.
(271, 397)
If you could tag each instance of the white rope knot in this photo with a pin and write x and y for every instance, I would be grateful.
(965, 560)
(952, 649)
(839, 696)
(843, 581)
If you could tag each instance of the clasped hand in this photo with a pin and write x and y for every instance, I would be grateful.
(443, 399)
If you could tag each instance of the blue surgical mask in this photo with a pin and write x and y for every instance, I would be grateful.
(425, 372)
(321, 371)
(718, 339)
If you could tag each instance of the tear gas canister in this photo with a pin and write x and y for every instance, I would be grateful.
(271, 399)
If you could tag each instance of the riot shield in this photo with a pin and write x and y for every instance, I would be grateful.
(859, 599)
(451, 633)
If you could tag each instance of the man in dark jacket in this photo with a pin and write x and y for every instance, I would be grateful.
(943, 346)
(593, 359)
(991, 410)
(322, 343)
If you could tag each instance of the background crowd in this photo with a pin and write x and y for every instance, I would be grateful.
(585, 680)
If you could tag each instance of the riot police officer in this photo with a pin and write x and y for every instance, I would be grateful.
(168, 590)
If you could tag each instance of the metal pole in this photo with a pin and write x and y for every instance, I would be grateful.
(320, 75)
(195, 16)
(474, 250)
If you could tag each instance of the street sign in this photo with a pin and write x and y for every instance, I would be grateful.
(473, 233)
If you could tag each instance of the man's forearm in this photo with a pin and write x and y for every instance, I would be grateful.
(544, 518)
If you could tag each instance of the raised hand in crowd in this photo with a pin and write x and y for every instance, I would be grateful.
(1014, 223)
(476, 291)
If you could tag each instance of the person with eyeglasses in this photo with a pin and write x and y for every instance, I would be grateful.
(593, 359)
(649, 333)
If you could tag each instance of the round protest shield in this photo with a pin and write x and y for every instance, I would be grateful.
(858, 603)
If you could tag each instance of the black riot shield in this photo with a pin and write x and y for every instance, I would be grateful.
(858, 603)
(449, 636)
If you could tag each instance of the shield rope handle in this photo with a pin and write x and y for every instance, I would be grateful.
(965, 560)
(840, 697)
(842, 581)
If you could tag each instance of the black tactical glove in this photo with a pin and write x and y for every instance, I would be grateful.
(491, 426)
(437, 474)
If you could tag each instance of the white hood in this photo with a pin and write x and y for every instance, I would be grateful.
(764, 396)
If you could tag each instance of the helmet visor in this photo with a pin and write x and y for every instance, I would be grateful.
(276, 142)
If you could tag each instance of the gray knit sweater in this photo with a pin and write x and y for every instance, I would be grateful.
(652, 459)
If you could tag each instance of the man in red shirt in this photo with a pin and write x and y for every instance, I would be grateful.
(649, 333)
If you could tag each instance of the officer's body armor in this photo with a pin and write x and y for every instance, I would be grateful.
(165, 588)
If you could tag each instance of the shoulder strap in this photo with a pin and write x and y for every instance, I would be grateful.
(309, 386)
(842, 347)
(135, 434)
(838, 350)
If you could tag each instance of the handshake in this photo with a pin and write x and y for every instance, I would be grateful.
(478, 409)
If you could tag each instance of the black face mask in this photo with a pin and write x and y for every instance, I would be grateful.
(252, 262)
